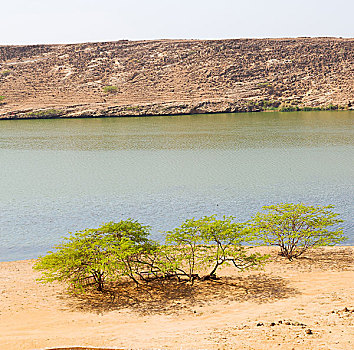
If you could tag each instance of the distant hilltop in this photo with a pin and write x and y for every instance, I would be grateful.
(163, 77)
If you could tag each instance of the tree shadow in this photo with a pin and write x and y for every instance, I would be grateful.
(171, 296)
(335, 259)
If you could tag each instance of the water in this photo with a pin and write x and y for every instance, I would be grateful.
(66, 175)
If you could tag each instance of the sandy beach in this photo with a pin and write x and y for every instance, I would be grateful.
(304, 304)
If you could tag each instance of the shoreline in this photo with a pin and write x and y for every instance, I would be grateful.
(305, 304)
(342, 246)
(164, 109)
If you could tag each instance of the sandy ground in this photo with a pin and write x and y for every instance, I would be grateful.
(274, 308)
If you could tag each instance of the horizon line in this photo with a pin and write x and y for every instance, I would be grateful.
(181, 39)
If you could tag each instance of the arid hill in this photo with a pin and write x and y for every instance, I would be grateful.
(175, 77)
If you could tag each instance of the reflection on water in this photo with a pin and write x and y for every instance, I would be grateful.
(219, 131)
(64, 175)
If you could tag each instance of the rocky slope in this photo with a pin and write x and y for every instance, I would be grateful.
(174, 77)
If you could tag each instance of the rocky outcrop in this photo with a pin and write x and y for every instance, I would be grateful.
(163, 77)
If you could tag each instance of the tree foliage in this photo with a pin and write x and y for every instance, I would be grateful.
(105, 254)
(297, 227)
(194, 250)
(96, 255)
(210, 242)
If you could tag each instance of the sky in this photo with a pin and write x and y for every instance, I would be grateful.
(74, 21)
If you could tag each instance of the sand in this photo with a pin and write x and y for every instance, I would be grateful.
(274, 308)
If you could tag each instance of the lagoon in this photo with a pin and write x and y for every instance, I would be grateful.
(65, 175)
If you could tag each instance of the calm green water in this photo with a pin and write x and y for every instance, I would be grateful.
(65, 175)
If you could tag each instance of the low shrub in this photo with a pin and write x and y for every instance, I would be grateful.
(330, 107)
(110, 89)
(269, 104)
(308, 108)
(289, 108)
(5, 73)
(133, 108)
(48, 113)
(264, 85)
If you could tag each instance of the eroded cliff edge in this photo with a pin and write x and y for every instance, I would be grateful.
(175, 77)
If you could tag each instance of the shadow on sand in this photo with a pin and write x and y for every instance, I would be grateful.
(334, 259)
(170, 296)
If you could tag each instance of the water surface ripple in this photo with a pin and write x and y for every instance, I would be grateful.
(68, 174)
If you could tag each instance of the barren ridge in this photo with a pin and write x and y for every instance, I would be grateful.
(174, 77)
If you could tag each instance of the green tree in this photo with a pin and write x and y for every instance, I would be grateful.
(210, 242)
(187, 249)
(98, 255)
(297, 227)
(227, 241)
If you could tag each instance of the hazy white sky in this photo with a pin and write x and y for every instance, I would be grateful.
(72, 21)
